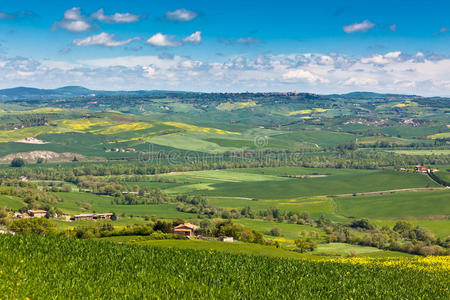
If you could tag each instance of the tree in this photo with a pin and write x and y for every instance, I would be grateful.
(114, 216)
(403, 227)
(362, 223)
(275, 231)
(17, 162)
(305, 245)
(66, 188)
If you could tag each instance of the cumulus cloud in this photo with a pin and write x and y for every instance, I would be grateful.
(163, 40)
(102, 39)
(364, 26)
(115, 18)
(303, 75)
(73, 21)
(380, 59)
(194, 38)
(182, 15)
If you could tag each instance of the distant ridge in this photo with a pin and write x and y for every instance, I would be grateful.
(18, 93)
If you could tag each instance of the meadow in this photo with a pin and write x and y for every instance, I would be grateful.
(347, 182)
(75, 203)
(70, 268)
(396, 205)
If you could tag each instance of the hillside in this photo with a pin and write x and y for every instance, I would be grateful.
(67, 91)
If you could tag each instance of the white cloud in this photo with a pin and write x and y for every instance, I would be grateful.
(102, 39)
(115, 18)
(364, 26)
(308, 72)
(380, 59)
(73, 21)
(195, 38)
(163, 40)
(303, 75)
(181, 15)
(360, 81)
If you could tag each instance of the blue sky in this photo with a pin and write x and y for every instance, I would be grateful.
(313, 46)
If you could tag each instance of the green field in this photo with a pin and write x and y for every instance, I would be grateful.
(423, 152)
(77, 268)
(348, 182)
(73, 203)
(10, 202)
(396, 205)
(441, 228)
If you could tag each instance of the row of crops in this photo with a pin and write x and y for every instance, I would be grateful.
(53, 267)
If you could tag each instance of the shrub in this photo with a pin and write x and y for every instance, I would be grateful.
(17, 162)
(362, 223)
(40, 226)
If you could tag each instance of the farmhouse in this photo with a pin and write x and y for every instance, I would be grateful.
(85, 217)
(421, 169)
(185, 229)
(37, 213)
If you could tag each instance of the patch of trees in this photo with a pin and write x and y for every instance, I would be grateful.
(220, 228)
(334, 158)
(404, 237)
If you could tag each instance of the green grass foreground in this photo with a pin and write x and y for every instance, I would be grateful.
(53, 267)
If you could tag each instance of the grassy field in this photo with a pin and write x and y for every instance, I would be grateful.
(423, 152)
(11, 202)
(289, 232)
(235, 247)
(314, 205)
(74, 203)
(350, 181)
(396, 205)
(441, 228)
(47, 267)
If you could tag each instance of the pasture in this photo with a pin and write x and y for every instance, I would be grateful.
(396, 205)
(348, 182)
(75, 203)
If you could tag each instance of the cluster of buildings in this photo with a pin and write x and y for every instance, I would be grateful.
(423, 169)
(122, 150)
(87, 217)
(81, 217)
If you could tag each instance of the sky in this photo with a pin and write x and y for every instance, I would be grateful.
(319, 46)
